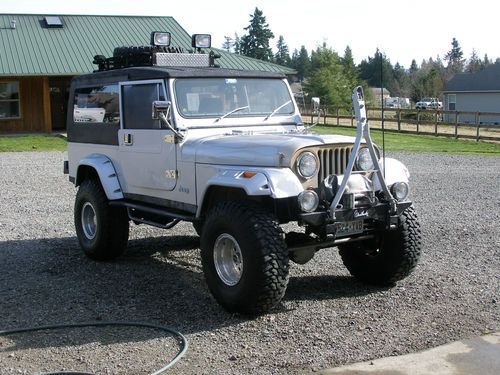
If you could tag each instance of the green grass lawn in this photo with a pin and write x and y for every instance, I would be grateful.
(32, 143)
(393, 142)
(412, 142)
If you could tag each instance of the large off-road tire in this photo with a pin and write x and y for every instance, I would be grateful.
(102, 230)
(389, 258)
(245, 258)
(198, 227)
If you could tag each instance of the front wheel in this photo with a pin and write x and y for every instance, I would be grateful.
(391, 257)
(102, 230)
(244, 256)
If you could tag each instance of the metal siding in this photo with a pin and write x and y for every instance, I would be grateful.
(31, 49)
(478, 102)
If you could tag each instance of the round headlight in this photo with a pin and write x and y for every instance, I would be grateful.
(400, 190)
(364, 160)
(308, 201)
(307, 164)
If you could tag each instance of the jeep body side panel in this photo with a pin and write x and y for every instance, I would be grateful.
(106, 172)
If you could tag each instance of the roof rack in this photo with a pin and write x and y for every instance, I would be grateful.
(159, 53)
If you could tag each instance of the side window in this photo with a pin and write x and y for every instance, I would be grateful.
(452, 102)
(136, 105)
(96, 105)
(9, 100)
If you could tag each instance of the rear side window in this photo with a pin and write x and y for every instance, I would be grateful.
(96, 105)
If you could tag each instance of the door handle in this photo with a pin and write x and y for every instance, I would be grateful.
(128, 139)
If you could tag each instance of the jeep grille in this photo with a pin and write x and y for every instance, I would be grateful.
(332, 161)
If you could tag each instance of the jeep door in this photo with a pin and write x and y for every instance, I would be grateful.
(147, 150)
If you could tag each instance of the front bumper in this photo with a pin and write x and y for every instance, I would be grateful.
(379, 214)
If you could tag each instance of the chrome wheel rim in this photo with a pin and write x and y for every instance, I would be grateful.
(89, 221)
(228, 259)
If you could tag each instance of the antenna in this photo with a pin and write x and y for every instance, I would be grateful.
(382, 104)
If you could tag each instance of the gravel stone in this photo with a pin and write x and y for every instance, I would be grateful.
(327, 318)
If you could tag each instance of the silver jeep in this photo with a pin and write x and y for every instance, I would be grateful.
(158, 136)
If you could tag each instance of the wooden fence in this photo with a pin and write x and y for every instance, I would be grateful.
(455, 124)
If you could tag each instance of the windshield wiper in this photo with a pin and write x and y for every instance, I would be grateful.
(276, 110)
(231, 112)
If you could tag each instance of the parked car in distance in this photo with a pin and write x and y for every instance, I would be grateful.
(429, 103)
(397, 102)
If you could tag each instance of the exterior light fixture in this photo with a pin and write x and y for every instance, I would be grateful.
(160, 38)
(201, 40)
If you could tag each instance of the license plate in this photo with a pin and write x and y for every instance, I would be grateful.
(349, 227)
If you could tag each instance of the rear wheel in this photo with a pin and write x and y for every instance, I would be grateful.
(102, 230)
(244, 256)
(389, 258)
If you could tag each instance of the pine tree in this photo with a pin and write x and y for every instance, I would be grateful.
(256, 43)
(486, 61)
(282, 57)
(350, 69)
(228, 43)
(378, 70)
(237, 44)
(475, 64)
(413, 66)
(403, 83)
(327, 79)
(455, 59)
(301, 63)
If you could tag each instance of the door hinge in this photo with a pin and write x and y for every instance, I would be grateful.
(169, 138)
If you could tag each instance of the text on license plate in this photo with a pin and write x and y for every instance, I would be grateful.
(349, 227)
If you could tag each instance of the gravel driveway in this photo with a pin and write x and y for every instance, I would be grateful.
(327, 318)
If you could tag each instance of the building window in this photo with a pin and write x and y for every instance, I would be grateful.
(96, 105)
(452, 102)
(9, 100)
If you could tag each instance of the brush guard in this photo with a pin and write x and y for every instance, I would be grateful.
(362, 131)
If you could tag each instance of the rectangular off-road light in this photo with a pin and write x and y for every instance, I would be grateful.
(160, 38)
(201, 40)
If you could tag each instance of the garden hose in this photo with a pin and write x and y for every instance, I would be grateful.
(179, 355)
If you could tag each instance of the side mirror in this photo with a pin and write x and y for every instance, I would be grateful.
(160, 106)
(315, 102)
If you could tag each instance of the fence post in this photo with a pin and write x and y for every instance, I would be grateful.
(477, 126)
(456, 125)
(383, 115)
(436, 122)
(352, 117)
(399, 118)
(338, 123)
(418, 120)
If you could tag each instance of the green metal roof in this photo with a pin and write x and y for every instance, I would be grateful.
(32, 48)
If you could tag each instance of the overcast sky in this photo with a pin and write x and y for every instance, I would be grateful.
(403, 30)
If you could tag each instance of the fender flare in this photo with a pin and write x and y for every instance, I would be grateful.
(107, 174)
(395, 171)
(274, 182)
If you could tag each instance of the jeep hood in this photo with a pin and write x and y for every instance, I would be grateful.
(255, 149)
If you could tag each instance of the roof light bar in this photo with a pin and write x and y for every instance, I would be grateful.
(160, 38)
(201, 40)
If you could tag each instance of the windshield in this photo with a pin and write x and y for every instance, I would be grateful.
(232, 97)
